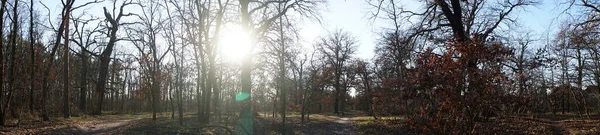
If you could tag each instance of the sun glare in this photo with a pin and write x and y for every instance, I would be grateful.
(234, 43)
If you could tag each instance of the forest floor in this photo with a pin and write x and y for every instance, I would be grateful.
(356, 122)
(140, 124)
(322, 124)
(106, 124)
(352, 123)
(540, 124)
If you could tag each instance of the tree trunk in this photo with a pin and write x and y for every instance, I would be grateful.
(277, 93)
(217, 93)
(155, 91)
(105, 61)
(200, 66)
(101, 85)
(337, 85)
(171, 98)
(123, 91)
(581, 64)
(83, 81)
(179, 86)
(32, 48)
(282, 86)
(246, 117)
(336, 104)
(2, 60)
(209, 88)
(49, 67)
(66, 94)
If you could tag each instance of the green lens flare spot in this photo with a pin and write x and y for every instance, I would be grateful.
(242, 96)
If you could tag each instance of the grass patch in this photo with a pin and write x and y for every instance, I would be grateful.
(365, 118)
(322, 117)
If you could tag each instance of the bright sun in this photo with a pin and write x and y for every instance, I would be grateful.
(234, 43)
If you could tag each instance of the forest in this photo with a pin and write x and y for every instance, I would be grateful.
(245, 67)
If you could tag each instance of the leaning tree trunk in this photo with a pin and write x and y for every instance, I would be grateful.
(105, 60)
(47, 71)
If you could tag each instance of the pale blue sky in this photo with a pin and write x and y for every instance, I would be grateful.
(350, 16)
(353, 16)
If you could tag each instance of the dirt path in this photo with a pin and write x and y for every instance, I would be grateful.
(344, 120)
(328, 124)
(343, 126)
(106, 126)
(339, 126)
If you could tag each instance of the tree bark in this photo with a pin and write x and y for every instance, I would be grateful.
(105, 59)
(101, 85)
(66, 83)
(83, 80)
(282, 70)
(2, 60)
(32, 49)
(171, 97)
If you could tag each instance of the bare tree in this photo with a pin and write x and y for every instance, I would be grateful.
(193, 34)
(463, 18)
(308, 91)
(66, 95)
(337, 48)
(364, 71)
(145, 39)
(61, 29)
(84, 37)
(178, 57)
(521, 61)
(257, 28)
(114, 22)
